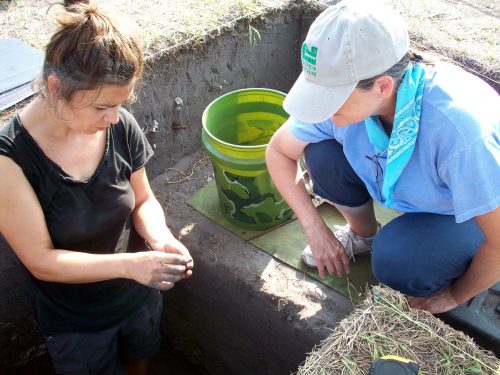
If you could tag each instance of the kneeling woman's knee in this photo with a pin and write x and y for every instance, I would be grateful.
(389, 265)
(319, 157)
(381, 259)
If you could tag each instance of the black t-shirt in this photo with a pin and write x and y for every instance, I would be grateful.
(92, 216)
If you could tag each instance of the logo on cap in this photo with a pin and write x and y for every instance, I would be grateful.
(309, 59)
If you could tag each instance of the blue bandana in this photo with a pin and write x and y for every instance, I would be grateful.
(404, 132)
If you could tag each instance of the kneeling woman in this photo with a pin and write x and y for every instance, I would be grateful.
(375, 123)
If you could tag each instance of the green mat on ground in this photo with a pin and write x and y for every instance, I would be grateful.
(287, 241)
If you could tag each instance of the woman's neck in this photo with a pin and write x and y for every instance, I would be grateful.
(387, 111)
(40, 116)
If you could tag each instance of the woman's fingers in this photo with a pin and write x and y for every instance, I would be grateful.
(328, 252)
(330, 267)
(340, 259)
(172, 268)
(345, 261)
(173, 259)
(165, 281)
(334, 259)
(176, 247)
(164, 285)
(187, 274)
(161, 270)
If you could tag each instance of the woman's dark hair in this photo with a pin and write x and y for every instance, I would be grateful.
(89, 50)
(397, 71)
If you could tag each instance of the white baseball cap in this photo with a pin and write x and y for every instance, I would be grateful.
(349, 42)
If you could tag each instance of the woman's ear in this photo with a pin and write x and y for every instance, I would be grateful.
(53, 86)
(385, 86)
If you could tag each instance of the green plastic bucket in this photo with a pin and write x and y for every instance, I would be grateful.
(236, 130)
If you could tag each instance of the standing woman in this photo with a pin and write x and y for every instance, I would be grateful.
(76, 206)
(374, 123)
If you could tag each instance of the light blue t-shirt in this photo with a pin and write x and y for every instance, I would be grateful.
(455, 167)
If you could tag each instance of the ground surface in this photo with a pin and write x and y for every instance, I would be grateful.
(467, 31)
(462, 29)
(162, 23)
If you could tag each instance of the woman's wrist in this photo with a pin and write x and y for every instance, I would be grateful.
(159, 242)
(458, 295)
(314, 227)
(127, 264)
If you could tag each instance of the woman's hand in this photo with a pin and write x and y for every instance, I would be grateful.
(173, 246)
(439, 302)
(327, 251)
(157, 269)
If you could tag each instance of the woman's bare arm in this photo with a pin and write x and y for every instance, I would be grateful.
(23, 225)
(149, 220)
(282, 155)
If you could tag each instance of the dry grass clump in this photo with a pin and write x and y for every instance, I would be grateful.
(163, 24)
(464, 31)
(386, 325)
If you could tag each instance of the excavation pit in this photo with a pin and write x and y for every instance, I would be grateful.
(243, 312)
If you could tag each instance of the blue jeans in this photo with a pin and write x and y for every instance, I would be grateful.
(416, 253)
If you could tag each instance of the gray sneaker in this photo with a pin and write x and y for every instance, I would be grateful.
(354, 244)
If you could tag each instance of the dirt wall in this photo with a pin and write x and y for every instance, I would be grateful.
(202, 73)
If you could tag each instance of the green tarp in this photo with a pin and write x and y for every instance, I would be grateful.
(287, 241)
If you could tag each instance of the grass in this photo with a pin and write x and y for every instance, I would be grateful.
(162, 24)
(385, 325)
(464, 31)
